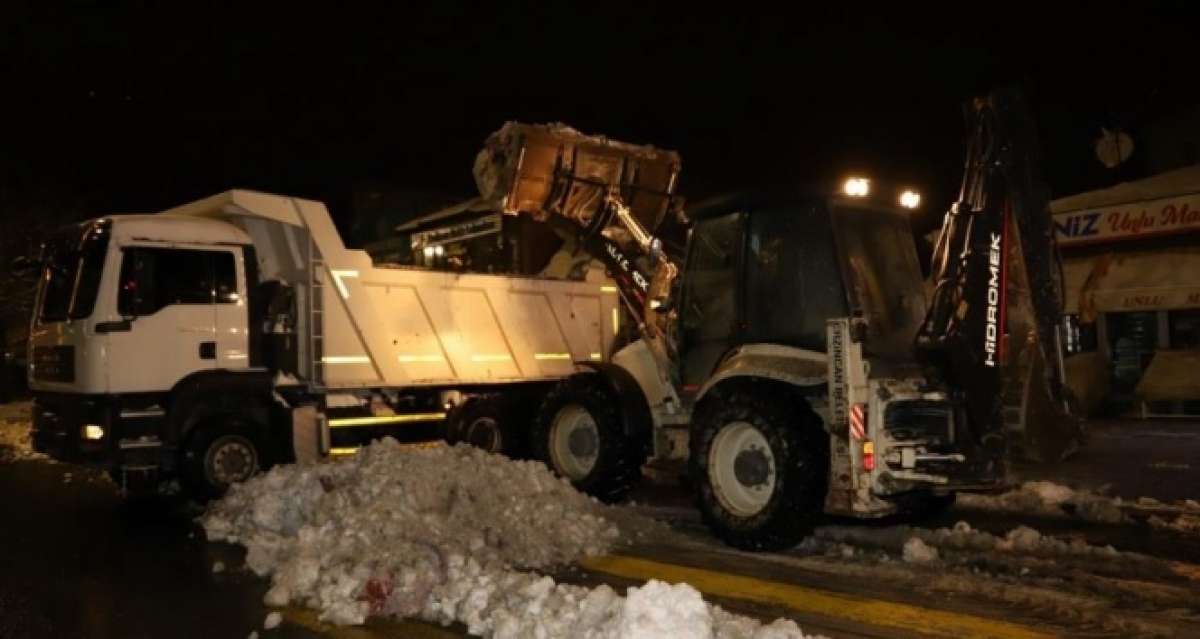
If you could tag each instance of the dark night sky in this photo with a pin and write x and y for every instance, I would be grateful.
(139, 109)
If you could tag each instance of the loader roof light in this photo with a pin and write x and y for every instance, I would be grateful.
(857, 187)
(910, 199)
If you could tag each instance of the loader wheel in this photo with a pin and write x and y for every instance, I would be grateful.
(219, 453)
(485, 422)
(580, 436)
(761, 467)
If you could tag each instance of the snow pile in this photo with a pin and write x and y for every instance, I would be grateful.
(1188, 524)
(441, 534)
(16, 419)
(918, 552)
(1048, 498)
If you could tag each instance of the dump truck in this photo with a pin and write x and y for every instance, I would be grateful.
(206, 342)
(792, 358)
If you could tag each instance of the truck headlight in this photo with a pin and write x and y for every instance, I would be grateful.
(93, 432)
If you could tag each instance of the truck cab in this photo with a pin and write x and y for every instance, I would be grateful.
(130, 309)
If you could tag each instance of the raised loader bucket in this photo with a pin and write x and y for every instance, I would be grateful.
(551, 168)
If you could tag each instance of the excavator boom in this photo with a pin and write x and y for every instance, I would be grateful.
(962, 341)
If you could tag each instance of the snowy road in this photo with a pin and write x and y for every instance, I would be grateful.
(75, 561)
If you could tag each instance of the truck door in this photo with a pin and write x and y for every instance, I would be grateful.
(230, 304)
(167, 296)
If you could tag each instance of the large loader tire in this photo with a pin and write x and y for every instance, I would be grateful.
(760, 460)
(579, 435)
(487, 422)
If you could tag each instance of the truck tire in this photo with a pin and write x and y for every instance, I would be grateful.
(761, 468)
(220, 452)
(579, 435)
(486, 422)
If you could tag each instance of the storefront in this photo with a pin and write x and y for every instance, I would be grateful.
(1131, 267)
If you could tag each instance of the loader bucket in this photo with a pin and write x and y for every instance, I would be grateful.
(545, 169)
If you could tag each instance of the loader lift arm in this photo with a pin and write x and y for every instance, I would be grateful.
(603, 192)
(962, 339)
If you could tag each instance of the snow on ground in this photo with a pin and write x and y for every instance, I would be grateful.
(1046, 498)
(922, 545)
(1051, 499)
(15, 422)
(451, 534)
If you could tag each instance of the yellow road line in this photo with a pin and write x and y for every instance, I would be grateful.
(307, 619)
(870, 612)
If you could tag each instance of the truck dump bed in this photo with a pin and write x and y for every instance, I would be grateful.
(359, 325)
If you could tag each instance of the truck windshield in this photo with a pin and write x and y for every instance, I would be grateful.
(884, 277)
(74, 262)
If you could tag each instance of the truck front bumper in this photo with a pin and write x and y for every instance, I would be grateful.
(93, 430)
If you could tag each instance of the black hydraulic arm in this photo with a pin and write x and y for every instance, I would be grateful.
(961, 341)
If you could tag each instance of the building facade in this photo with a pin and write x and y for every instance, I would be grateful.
(1131, 268)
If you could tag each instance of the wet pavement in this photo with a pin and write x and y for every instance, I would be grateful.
(1158, 458)
(78, 561)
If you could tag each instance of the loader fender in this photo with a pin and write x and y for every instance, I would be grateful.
(795, 366)
(635, 410)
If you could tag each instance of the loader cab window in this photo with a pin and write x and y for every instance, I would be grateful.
(710, 292)
(883, 276)
(793, 283)
(154, 278)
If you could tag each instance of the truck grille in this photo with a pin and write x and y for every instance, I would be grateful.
(918, 419)
(54, 363)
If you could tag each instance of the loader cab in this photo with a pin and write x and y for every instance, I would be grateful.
(772, 267)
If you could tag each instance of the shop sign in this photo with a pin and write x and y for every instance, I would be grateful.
(1133, 299)
(1129, 221)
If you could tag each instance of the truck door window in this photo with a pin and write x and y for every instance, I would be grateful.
(154, 278)
(225, 277)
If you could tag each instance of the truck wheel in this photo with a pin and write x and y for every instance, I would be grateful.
(579, 435)
(217, 455)
(762, 472)
(485, 422)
